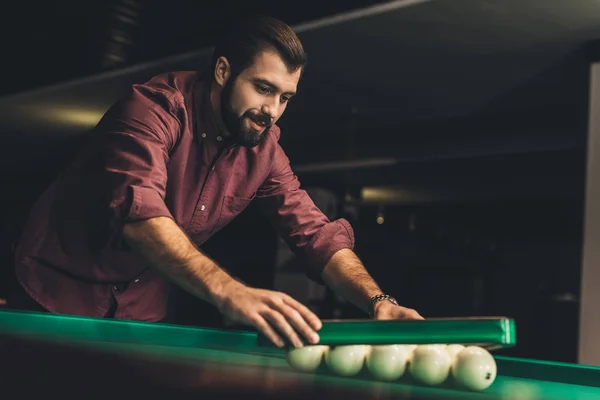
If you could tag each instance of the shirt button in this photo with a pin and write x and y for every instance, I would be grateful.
(202, 207)
(137, 280)
(203, 135)
(219, 138)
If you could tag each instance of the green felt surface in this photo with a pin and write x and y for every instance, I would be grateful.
(517, 378)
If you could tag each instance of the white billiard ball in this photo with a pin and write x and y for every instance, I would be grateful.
(346, 360)
(307, 358)
(430, 365)
(411, 347)
(388, 362)
(474, 368)
(454, 349)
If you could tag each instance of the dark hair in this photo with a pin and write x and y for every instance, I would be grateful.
(256, 34)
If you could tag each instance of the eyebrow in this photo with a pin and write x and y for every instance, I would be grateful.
(271, 85)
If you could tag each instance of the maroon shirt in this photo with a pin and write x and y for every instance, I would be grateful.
(158, 153)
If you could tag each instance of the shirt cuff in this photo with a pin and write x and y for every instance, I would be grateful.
(146, 203)
(141, 203)
(330, 239)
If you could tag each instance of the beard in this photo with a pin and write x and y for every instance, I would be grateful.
(244, 132)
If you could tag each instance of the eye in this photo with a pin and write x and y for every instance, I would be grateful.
(286, 99)
(262, 89)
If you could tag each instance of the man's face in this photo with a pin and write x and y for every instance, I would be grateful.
(254, 100)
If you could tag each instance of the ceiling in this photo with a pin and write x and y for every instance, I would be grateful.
(402, 82)
(396, 62)
(53, 41)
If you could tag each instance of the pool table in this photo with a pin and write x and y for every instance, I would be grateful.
(79, 357)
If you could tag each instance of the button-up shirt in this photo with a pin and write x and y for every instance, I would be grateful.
(158, 153)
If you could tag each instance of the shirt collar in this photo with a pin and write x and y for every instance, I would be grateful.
(206, 128)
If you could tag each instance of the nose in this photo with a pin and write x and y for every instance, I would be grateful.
(271, 109)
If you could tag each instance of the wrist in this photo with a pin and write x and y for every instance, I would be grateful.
(223, 290)
(382, 307)
(382, 300)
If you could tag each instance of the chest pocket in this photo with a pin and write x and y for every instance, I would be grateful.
(232, 207)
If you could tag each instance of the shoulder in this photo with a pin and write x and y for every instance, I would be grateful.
(168, 90)
(155, 107)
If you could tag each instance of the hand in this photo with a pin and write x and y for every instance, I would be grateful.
(387, 310)
(274, 314)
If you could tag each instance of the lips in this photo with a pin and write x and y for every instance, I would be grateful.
(258, 124)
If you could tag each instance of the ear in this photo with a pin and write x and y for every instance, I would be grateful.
(222, 71)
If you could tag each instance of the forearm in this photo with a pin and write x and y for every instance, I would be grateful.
(169, 251)
(346, 275)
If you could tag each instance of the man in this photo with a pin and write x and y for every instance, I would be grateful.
(167, 167)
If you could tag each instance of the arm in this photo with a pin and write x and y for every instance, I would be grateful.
(312, 237)
(168, 250)
(325, 246)
(346, 275)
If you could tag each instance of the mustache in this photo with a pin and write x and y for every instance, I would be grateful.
(260, 118)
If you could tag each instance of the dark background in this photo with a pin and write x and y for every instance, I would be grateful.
(470, 118)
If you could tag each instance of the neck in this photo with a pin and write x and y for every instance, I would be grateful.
(215, 102)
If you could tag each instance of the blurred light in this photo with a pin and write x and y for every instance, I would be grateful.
(86, 118)
(81, 117)
(380, 218)
(392, 195)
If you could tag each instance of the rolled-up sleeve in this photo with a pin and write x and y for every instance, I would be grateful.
(135, 138)
(305, 228)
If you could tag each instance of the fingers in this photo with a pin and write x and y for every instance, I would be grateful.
(305, 313)
(413, 314)
(277, 319)
(298, 322)
(398, 312)
(277, 316)
(418, 316)
(291, 318)
(263, 327)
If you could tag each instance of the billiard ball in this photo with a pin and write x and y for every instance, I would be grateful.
(411, 347)
(454, 349)
(474, 368)
(307, 358)
(430, 365)
(346, 360)
(388, 362)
